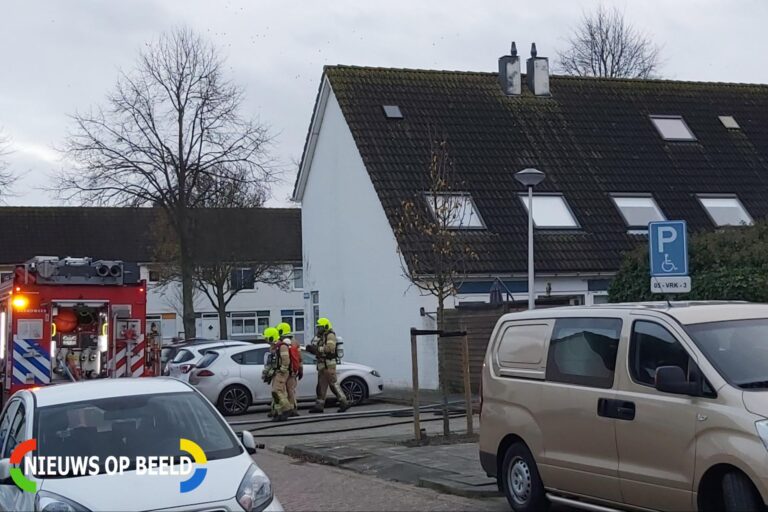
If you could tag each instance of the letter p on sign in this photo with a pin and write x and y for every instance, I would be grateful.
(667, 235)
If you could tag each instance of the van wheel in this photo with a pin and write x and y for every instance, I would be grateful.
(520, 480)
(739, 495)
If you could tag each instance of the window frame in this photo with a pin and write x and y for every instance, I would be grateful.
(261, 320)
(524, 199)
(653, 117)
(701, 197)
(470, 202)
(581, 383)
(649, 196)
(300, 268)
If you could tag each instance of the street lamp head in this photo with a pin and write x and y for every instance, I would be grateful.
(530, 177)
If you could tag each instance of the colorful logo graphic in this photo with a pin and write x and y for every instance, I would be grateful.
(198, 455)
(16, 474)
(113, 465)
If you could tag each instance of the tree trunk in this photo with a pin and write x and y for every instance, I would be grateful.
(221, 309)
(187, 288)
(443, 377)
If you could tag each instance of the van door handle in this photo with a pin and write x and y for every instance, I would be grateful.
(626, 411)
(618, 409)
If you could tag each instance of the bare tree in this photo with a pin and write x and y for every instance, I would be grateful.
(7, 178)
(169, 136)
(222, 278)
(435, 253)
(605, 44)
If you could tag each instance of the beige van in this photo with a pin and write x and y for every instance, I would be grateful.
(632, 406)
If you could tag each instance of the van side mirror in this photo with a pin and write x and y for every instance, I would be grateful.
(248, 442)
(5, 471)
(671, 379)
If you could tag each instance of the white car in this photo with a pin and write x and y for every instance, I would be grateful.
(231, 378)
(133, 421)
(187, 357)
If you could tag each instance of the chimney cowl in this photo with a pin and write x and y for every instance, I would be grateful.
(510, 78)
(538, 73)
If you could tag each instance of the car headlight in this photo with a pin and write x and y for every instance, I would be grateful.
(762, 431)
(50, 502)
(375, 373)
(255, 491)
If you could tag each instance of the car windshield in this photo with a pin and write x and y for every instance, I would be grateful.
(737, 348)
(133, 426)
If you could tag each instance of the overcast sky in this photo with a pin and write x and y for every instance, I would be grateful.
(60, 56)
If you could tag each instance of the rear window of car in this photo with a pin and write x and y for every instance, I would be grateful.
(183, 356)
(208, 359)
(251, 357)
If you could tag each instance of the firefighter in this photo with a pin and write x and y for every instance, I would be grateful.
(324, 348)
(296, 369)
(280, 370)
(268, 374)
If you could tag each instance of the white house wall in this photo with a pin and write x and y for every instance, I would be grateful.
(350, 258)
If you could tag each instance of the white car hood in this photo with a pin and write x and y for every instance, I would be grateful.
(130, 491)
(353, 366)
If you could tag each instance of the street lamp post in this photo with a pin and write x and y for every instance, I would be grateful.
(530, 178)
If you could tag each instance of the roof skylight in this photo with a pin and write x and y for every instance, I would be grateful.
(725, 211)
(455, 210)
(638, 211)
(672, 128)
(392, 111)
(551, 211)
(729, 122)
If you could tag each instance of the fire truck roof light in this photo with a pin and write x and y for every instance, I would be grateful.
(20, 302)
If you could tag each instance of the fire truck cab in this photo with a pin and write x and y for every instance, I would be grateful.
(68, 319)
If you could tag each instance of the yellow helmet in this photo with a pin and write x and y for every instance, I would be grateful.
(324, 323)
(283, 329)
(271, 334)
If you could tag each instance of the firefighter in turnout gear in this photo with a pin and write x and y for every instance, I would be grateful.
(268, 374)
(296, 367)
(281, 366)
(324, 347)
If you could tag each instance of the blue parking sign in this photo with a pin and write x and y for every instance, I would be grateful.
(668, 248)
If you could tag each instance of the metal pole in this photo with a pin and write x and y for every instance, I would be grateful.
(415, 380)
(531, 291)
(467, 384)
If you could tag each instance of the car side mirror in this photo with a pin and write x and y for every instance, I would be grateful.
(671, 379)
(248, 442)
(5, 471)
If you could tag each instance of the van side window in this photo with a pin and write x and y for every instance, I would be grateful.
(652, 346)
(583, 351)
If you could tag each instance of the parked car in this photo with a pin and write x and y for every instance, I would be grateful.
(168, 352)
(189, 355)
(136, 419)
(231, 378)
(646, 406)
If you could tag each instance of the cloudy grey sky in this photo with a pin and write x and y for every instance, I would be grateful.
(60, 56)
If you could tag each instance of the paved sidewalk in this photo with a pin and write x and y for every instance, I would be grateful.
(449, 468)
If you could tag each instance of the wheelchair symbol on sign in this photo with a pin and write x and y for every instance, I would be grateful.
(667, 265)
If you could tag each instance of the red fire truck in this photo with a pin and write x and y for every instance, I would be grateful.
(68, 319)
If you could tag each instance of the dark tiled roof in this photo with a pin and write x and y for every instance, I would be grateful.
(237, 234)
(592, 137)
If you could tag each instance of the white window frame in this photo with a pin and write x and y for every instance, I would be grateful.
(732, 197)
(468, 202)
(659, 117)
(294, 270)
(636, 227)
(524, 198)
(261, 320)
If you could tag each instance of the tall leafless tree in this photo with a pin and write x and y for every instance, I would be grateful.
(169, 136)
(606, 44)
(7, 178)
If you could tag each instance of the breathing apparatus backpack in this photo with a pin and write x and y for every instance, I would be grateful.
(295, 353)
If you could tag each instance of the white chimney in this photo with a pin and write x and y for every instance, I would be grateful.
(509, 73)
(538, 73)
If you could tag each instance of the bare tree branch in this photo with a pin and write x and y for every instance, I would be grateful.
(170, 135)
(605, 44)
(7, 178)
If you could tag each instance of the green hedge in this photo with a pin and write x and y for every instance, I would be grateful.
(728, 264)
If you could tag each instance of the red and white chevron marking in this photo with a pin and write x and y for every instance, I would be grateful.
(136, 363)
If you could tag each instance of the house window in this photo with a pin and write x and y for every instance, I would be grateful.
(243, 279)
(456, 211)
(315, 306)
(551, 211)
(5, 276)
(249, 322)
(298, 277)
(725, 211)
(638, 211)
(154, 276)
(672, 128)
(294, 318)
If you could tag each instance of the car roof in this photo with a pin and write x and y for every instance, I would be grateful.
(106, 388)
(245, 346)
(220, 343)
(685, 312)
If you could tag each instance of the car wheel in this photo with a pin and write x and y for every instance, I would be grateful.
(234, 400)
(355, 389)
(739, 495)
(520, 480)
